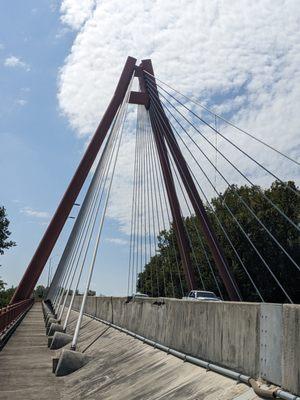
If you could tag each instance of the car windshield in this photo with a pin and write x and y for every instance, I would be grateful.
(206, 294)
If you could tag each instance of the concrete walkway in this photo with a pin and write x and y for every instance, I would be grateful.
(121, 368)
(26, 362)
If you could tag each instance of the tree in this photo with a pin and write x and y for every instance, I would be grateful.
(5, 295)
(40, 292)
(4, 232)
(163, 275)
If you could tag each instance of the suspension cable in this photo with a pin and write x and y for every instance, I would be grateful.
(167, 206)
(239, 225)
(97, 242)
(156, 191)
(233, 165)
(155, 163)
(249, 208)
(223, 119)
(159, 113)
(91, 218)
(186, 230)
(198, 233)
(133, 206)
(232, 216)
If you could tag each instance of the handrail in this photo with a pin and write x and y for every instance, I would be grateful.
(11, 312)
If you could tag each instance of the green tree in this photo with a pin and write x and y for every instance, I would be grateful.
(161, 276)
(40, 292)
(5, 295)
(4, 232)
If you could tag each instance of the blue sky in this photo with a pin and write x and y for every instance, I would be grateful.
(59, 63)
(39, 152)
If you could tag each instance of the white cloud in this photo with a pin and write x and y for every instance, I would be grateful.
(241, 58)
(34, 213)
(75, 13)
(16, 62)
(21, 102)
(62, 32)
(117, 241)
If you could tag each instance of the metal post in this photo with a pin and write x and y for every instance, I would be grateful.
(50, 237)
(212, 241)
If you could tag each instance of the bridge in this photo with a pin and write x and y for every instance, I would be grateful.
(185, 202)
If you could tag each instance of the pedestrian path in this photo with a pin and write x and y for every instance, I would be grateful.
(26, 362)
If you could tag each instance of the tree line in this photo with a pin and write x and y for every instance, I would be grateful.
(163, 275)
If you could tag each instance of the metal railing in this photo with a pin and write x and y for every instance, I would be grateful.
(10, 313)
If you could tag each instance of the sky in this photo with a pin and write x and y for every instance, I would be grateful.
(59, 64)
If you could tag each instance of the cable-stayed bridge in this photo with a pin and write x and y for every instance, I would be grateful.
(198, 221)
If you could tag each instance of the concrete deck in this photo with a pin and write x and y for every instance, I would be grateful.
(26, 362)
(121, 368)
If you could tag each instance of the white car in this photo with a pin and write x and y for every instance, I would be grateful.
(139, 295)
(201, 295)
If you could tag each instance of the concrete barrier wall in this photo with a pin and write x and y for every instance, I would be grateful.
(291, 348)
(252, 338)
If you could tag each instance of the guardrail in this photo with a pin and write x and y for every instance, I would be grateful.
(10, 313)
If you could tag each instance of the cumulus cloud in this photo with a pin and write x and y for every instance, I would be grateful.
(75, 13)
(34, 213)
(16, 62)
(239, 58)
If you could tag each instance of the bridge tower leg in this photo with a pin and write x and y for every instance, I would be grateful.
(164, 131)
(39, 259)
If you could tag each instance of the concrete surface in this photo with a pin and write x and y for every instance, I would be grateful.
(70, 361)
(59, 340)
(271, 342)
(230, 334)
(25, 362)
(121, 368)
(50, 321)
(291, 348)
(224, 333)
(54, 327)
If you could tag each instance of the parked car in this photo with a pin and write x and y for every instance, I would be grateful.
(139, 295)
(201, 295)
